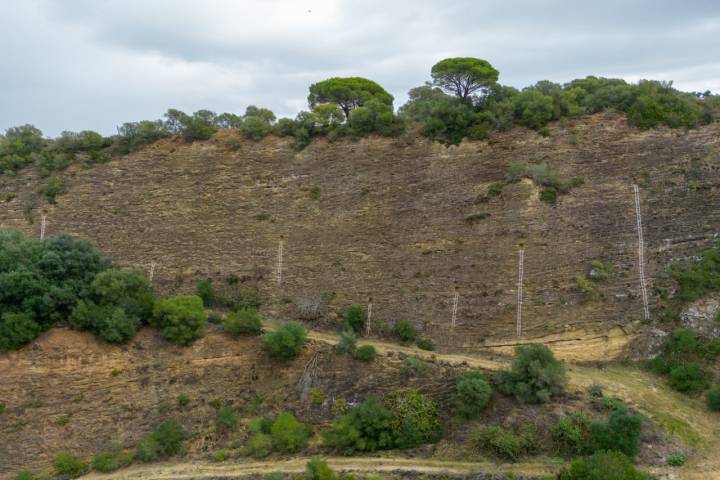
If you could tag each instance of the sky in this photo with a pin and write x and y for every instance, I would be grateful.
(95, 64)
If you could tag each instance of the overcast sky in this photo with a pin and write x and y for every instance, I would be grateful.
(94, 64)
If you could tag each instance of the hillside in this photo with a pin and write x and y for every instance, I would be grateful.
(405, 221)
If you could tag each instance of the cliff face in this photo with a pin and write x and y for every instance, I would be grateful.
(404, 221)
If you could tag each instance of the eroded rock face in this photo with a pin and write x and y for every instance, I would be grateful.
(647, 345)
(702, 316)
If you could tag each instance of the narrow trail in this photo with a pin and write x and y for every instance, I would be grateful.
(228, 470)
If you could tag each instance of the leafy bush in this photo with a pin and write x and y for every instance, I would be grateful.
(405, 331)
(712, 397)
(111, 459)
(688, 377)
(181, 318)
(204, 289)
(288, 435)
(24, 475)
(472, 393)
(246, 321)
(677, 460)
(355, 318)
(500, 441)
(165, 441)
(69, 465)
(365, 353)
(17, 329)
(571, 435)
(285, 342)
(696, 279)
(54, 187)
(414, 418)
(586, 287)
(317, 469)
(535, 375)
(199, 126)
(620, 433)
(220, 455)
(133, 136)
(259, 445)
(426, 345)
(183, 400)
(226, 419)
(347, 342)
(367, 427)
(254, 128)
(603, 466)
(532, 109)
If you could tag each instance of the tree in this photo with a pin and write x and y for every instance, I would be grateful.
(414, 418)
(355, 318)
(472, 394)
(463, 76)
(621, 433)
(535, 376)
(246, 321)
(348, 93)
(288, 435)
(286, 341)
(181, 318)
(366, 428)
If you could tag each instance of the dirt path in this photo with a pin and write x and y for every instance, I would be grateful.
(227, 470)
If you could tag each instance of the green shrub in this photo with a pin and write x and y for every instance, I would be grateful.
(181, 318)
(355, 318)
(2, 408)
(549, 195)
(500, 441)
(254, 128)
(535, 375)
(68, 465)
(17, 329)
(54, 187)
(246, 321)
(259, 445)
(414, 418)
(317, 469)
(204, 289)
(696, 279)
(201, 125)
(365, 353)
(405, 331)
(586, 287)
(688, 377)
(288, 435)
(426, 345)
(712, 397)
(165, 441)
(413, 366)
(366, 428)
(183, 400)
(135, 135)
(620, 433)
(472, 393)
(111, 459)
(220, 455)
(677, 460)
(600, 271)
(24, 475)
(571, 435)
(226, 419)
(285, 342)
(347, 342)
(603, 466)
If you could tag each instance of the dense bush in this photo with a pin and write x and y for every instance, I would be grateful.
(246, 321)
(69, 465)
(347, 342)
(414, 418)
(288, 435)
(199, 126)
(180, 318)
(688, 377)
(134, 135)
(355, 318)
(230, 293)
(425, 344)
(285, 342)
(405, 331)
(697, 279)
(603, 466)
(620, 433)
(367, 427)
(472, 393)
(502, 442)
(254, 128)
(571, 435)
(317, 469)
(226, 419)
(712, 397)
(535, 375)
(204, 289)
(165, 441)
(365, 353)
(111, 459)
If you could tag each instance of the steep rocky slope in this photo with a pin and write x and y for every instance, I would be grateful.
(396, 220)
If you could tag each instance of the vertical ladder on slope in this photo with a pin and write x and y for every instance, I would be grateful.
(456, 300)
(280, 261)
(521, 271)
(43, 223)
(641, 253)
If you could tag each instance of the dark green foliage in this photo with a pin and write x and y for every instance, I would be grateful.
(199, 126)
(285, 342)
(204, 289)
(677, 460)
(165, 441)
(364, 353)
(426, 344)
(688, 377)
(464, 77)
(183, 400)
(535, 375)
(571, 435)
(347, 342)
(501, 441)
(603, 466)
(355, 318)
(697, 279)
(181, 318)
(288, 435)
(348, 93)
(365, 428)
(260, 442)
(118, 302)
(712, 397)
(317, 469)
(19, 147)
(54, 187)
(2, 408)
(414, 418)
(472, 393)
(17, 329)
(532, 109)
(24, 475)
(620, 433)
(69, 465)
(246, 321)
(254, 128)
(226, 419)
(135, 135)
(405, 331)
(111, 459)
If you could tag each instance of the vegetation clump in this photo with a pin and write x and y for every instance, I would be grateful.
(181, 318)
(603, 466)
(114, 458)
(535, 375)
(405, 331)
(246, 321)
(69, 465)
(167, 440)
(472, 394)
(355, 318)
(286, 341)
